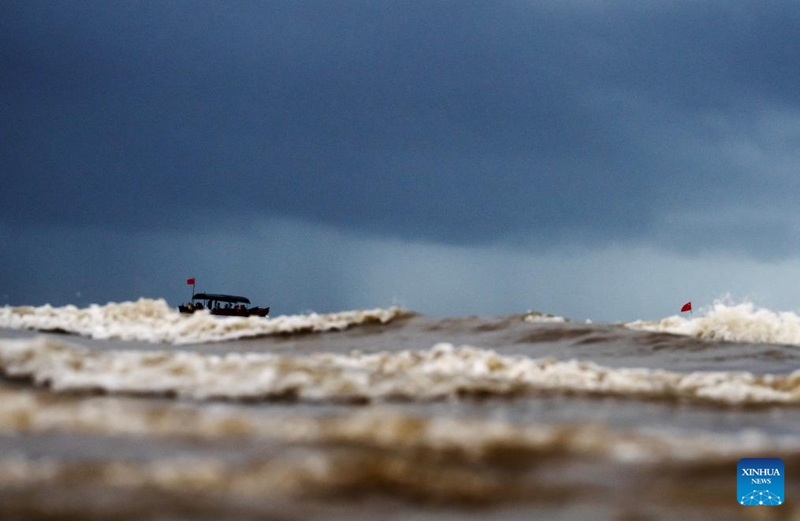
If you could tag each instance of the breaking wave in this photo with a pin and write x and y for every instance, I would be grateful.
(442, 372)
(149, 320)
(733, 323)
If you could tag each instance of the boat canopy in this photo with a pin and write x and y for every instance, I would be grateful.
(220, 298)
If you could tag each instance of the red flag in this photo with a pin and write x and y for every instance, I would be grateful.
(686, 307)
(190, 281)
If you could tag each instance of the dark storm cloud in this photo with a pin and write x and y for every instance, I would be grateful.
(455, 122)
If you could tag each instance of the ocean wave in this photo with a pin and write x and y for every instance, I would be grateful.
(733, 323)
(442, 372)
(149, 320)
(373, 452)
(462, 438)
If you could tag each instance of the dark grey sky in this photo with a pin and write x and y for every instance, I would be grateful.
(255, 133)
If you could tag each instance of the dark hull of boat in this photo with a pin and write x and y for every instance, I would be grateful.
(251, 312)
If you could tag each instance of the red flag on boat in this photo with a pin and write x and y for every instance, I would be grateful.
(190, 281)
(686, 307)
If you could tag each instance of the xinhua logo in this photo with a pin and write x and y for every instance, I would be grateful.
(759, 482)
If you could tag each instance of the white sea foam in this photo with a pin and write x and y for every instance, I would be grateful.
(155, 321)
(734, 323)
(441, 372)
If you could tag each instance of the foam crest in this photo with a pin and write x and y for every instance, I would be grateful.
(149, 320)
(438, 373)
(733, 323)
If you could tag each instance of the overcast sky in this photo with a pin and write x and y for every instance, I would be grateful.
(604, 160)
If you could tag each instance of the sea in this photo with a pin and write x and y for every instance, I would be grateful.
(133, 411)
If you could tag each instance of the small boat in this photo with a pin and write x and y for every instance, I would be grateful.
(224, 305)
